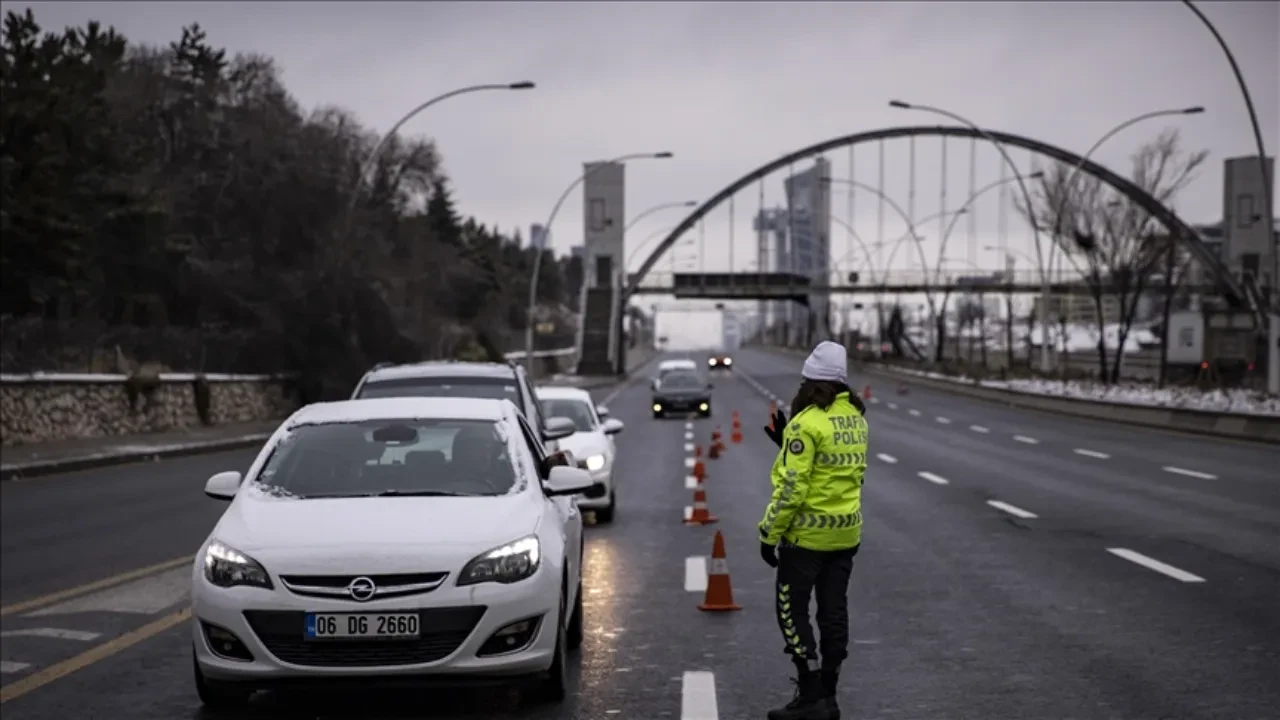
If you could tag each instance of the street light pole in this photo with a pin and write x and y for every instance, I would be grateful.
(1045, 289)
(377, 149)
(537, 258)
(1273, 337)
(654, 209)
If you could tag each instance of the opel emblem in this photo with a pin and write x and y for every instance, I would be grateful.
(362, 589)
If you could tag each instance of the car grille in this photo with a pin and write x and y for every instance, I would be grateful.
(443, 631)
(386, 586)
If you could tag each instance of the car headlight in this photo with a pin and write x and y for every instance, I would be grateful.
(595, 462)
(510, 563)
(227, 567)
(657, 407)
(711, 361)
(728, 361)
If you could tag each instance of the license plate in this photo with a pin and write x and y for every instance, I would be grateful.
(324, 626)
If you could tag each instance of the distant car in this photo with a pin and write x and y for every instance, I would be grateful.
(682, 392)
(591, 444)
(393, 538)
(719, 362)
(670, 366)
(444, 378)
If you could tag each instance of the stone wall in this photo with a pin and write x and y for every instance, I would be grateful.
(42, 408)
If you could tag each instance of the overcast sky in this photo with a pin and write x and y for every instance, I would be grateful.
(729, 86)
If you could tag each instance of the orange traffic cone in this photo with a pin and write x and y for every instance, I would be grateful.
(866, 392)
(736, 435)
(719, 597)
(714, 452)
(699, 470)
(700, 514)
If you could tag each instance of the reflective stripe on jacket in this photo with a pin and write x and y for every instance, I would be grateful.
(817, 479)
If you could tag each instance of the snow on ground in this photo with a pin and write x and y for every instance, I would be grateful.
(1245, 402)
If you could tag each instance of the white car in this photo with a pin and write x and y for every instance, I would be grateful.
(591, 444)
(391, 540)
(670, 366)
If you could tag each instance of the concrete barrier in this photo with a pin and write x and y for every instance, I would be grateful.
(1242, 426)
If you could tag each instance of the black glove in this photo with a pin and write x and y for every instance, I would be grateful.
(857, 403)
(779, 424)
(769, 553)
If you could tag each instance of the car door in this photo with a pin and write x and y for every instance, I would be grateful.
(534, 413)
(563, 507)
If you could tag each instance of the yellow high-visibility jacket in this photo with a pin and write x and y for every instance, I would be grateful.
(817, 479)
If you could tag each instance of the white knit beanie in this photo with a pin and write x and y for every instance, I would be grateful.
(829, 361)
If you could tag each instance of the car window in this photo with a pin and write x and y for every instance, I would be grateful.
(584, 419)
(423, 457)
(446, 386)
(682, 381)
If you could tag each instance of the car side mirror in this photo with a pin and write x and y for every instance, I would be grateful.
(564, 480)
(557, 428)
(224, 485)
(597, 490)
(613, 426)
(602, 411)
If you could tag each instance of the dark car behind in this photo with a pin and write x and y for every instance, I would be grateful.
(682, 393)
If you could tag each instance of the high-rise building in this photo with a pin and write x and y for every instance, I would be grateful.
(809, 227)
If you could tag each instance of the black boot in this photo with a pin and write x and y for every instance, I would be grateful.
(809, 703)
(830, 679)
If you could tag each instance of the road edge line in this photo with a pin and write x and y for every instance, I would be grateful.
(53, 598)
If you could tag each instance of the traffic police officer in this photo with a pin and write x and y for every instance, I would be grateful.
(813, 525)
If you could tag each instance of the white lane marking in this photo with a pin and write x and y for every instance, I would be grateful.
(688, 511)
(8, 666)
(1027, 440)
(979, 429)
(690, 482)
(690, 462)
(1153, 564)
(688, 447)
(875, 401)
(1011, 509)
(688, 426)
(1189, 473)
(935, 479)
(914, 413)
(695, 574)
(57, 633)
(1092, 453)
(698, 696)
(145, 596)
(944, 421)
(887, 458)
(893, 406)
(688, 435)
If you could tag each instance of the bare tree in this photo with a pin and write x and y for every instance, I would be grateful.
(1111, 241)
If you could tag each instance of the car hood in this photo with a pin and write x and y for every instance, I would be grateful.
(585, 444)
(330, 533)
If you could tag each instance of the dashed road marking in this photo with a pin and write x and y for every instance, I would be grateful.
(1027, 440)
(1153, 564)
(688, 512)
(688, 426)
(1091, 453)
(944, 421)
(690, 462)
(935, 479)
(56, 633)
(9, 666)
(979, 429)
(695, 574)
(93, 655)
(688, 447)
(1189, 473)
(887, 458)
(1012, 509)
(893, 406)
(914, 413)
(875, 401)
(688, 435)
(698, 696)
(690, 482)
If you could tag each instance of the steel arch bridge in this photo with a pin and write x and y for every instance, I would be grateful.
(1235, 294)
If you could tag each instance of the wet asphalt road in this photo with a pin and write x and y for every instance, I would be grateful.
(961, 608)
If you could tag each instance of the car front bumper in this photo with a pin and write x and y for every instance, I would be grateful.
(603, 476)
(455, 622)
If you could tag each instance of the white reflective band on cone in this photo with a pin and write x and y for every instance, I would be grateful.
(719, 566)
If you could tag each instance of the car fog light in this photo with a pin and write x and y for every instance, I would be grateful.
(510, 638)
(225, 644)
(657, 407)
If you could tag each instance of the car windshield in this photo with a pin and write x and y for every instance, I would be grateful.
(445, 386)
(682, 381)
(390, 457)
(578, 411)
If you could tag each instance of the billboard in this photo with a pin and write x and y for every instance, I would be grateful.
(1185, 338)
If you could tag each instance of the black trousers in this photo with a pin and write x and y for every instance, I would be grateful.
(803, 573)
